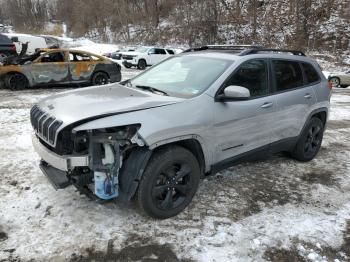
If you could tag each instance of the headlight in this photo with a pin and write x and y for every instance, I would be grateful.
(122, 134)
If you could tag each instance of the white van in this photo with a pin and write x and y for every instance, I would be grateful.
(34, 42)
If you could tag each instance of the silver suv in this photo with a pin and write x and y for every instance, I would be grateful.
(152, 138)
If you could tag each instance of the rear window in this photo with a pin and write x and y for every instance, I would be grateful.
(171, 52)
(310, 73)
(159, 51)
(288, 75)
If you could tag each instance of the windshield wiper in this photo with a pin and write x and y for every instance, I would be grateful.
(152, 89)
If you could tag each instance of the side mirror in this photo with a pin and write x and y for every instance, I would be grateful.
(233, 93)
(14, 39)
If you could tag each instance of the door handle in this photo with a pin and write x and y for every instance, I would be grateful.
(307, 96)
(267, 105)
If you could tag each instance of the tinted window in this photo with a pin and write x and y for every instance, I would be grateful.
(171, 52)
(252, 75)
(160, 51)
(288, 75)
(310, 73)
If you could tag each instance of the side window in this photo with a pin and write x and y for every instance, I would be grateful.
(52, 57)
(310, 73)
(288, 75)
(79, 57)
(152, 51)
(160, 51)
(170, 52)
(252, 75)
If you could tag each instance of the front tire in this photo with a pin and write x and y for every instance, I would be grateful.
(142, 64)
(16, 81)
(169, 182)
(100, 78)
(310, 141)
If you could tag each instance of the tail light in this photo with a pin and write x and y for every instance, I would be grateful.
(330, 85)
(13, 47)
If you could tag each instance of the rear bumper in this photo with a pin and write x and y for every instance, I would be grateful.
(115, 78)
(63, 163)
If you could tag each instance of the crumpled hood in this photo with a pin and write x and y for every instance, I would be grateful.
(99, 101)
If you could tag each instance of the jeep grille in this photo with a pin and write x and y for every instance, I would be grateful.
(44, 125)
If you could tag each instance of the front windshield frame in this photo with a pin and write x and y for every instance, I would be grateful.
(129, 82)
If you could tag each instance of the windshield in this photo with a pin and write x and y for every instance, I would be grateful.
(142, 49)
(183, 76)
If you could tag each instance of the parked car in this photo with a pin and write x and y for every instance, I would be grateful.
(7, 47)
(153, 137)
(59, 66)
(34, 42)
(117, 55)
(145, 56)
(340, 79)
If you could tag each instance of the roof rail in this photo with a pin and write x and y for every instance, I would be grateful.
(224, 47)
(256, 51)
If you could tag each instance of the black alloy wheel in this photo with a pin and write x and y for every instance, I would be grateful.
(100, 79)
(310, 141)
(169, 183)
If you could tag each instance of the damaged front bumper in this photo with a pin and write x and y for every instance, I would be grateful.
(63, 163)
(100, 173)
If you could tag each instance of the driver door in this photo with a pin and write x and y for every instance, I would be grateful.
(244, 125)
(51, 68)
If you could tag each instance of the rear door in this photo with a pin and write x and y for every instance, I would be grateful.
(51, 68)
(242, 126)
(81, 66)
(156, 55)
(294, 96)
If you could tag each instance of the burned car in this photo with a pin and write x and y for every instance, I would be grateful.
(152, 138)
(58, 66)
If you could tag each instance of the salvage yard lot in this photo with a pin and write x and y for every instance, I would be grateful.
(271, 209)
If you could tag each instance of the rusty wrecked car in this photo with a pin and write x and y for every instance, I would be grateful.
(58, 66)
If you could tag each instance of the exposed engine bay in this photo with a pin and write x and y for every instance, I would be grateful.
(111, 154)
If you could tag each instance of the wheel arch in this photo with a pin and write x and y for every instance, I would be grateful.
(144, 59)
(192, 145)
(321, 113)
(4, 76)
(99, 71)
(134, 166)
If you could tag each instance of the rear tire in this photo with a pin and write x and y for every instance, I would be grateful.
(100, 78)
(142, 64)
(310, 141)
(16, 81)
(169, 182)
